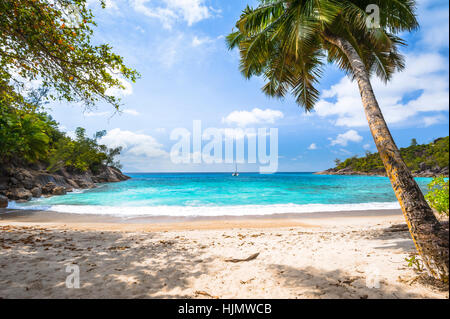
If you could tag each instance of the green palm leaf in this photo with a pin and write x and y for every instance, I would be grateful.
(285, 41)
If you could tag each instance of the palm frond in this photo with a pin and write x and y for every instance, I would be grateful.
(285, 41)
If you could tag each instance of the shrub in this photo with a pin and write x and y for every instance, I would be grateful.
(438, 195)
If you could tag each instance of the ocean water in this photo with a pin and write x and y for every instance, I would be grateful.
(217, 194)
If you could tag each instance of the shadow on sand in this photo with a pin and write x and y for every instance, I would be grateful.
(149, 268)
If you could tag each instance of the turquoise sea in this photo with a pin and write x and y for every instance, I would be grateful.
(213, 194)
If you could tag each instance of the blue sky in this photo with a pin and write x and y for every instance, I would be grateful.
(188, 74)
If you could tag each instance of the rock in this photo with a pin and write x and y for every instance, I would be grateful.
(110, 175)
(20, 194)
(3, 183)
(59, 190)
(48, 188)
(36, 192)
(3, 201)
(82, 183)
(23, 182)
(28, 183)
(107, 175)
(72, 183)
(44, 179)
(13, 181)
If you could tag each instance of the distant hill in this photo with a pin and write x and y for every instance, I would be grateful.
(425, 160)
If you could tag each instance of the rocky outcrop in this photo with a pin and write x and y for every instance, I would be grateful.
(36, 192)
(109, 174)
(23, 183)
(423, 172)
(59, 190)
(3, 201)
(19, 194)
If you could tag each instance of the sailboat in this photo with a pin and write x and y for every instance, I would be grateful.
(235, 172)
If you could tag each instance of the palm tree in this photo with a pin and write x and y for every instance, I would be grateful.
(287, 41)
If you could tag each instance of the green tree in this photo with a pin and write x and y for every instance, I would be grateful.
(287, 41)
(51, 41)
(435, 154)
(82, 153)
(414, 142)
(438, 195)
(337, 162)
(25, 134)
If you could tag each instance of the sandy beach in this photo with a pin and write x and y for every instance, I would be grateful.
(320, 255)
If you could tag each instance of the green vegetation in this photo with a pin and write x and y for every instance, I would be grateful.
(289, 42)
(438, 195)
(415, 262)
(435, 154)
(32, 136)
(50, 42)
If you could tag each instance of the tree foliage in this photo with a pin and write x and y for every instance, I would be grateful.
(288, 41)
(33, 136)
(416, 157)
(438, 195)
(51, 41)
(26, 134)
(82, 153)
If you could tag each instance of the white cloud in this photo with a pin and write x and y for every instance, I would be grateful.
(118, 92)
(183, 48)
(349, 136)
(96, 114)
(432, 17)
(131, 112)
(169, 11)
(422, 87)
(367, 146)
(198, 41)
(312, 147)
(256, 116)
(344, 151)
(109, 4)
(168, 51)
(134, 143)
(431, 120)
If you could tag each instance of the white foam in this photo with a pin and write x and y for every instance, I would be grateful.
(241, 210)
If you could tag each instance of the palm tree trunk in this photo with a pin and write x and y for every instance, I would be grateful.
(430, 239)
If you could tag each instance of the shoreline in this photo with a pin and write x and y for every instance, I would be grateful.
(167, 223)
(369, 174)
(307, 256)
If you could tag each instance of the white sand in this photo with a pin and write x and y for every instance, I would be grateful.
(307, 258)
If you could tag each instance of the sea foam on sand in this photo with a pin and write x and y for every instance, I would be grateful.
(238, 210)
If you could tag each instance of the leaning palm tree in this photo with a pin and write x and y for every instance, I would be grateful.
(288, 42)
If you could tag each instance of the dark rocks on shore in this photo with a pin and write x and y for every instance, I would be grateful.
(23, 183)
(59, 190)
(48, 188)
(36, 192)
(19, 194)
